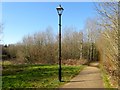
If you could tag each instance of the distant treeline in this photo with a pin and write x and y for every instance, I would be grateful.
(42, 47)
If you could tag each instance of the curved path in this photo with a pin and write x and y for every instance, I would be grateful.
(90, 77)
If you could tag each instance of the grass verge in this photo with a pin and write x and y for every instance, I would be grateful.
(106, 80)
(36, 76)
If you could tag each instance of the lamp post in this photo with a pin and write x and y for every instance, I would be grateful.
(59, 10)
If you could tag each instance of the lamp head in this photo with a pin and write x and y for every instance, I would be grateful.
(59, 10)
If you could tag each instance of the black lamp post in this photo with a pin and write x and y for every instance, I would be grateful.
(59, 10)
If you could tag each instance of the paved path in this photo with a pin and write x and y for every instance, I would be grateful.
(90, 77)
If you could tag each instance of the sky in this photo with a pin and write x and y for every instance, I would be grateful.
(23, 18)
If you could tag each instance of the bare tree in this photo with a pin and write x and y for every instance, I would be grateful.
(92, 33)
(72, 43)
(38, 48)
(108, 22)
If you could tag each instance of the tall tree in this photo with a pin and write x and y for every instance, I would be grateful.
(92, 33)
(108, 22)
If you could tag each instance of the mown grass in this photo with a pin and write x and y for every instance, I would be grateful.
(36, 76)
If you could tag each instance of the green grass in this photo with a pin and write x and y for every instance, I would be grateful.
(37, 76)
(105, 77)
(106, 80)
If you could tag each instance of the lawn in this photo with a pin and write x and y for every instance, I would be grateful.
(36, 76)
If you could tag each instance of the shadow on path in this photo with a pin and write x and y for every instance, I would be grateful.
(90, 77)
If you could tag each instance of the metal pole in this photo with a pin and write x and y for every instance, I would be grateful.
(60, 48)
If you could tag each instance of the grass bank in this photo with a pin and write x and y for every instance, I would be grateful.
(36, 76)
